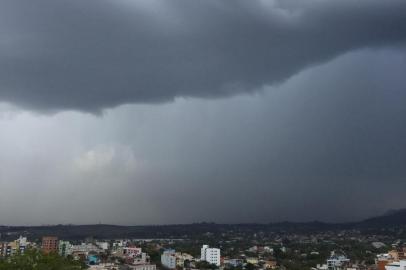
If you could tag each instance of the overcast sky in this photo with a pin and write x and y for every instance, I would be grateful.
(179, 111)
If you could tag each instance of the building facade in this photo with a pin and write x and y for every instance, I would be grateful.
(210, 255)
(64, 248)
(143, 267)
(398, 265)
(50, 244)
(168, 259)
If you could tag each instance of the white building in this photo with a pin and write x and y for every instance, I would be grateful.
(143, 267)
(103, 245)
(168, 259)
(378, 244)
(399, 265)
(210, 255)
(22, 243)
(337, 262)
(64, 248)
(83, 248)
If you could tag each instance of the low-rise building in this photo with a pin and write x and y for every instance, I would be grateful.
(104, 266)
(182, 257)
(382, 260)
(252, 260)
(397, 265)
(140, 259)
(335, 262)
(234, 262)
(103, 245)
(270, 264)
(132, 251)
(170, 258)
(143, 267)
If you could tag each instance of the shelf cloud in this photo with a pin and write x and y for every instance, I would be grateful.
(97, 54)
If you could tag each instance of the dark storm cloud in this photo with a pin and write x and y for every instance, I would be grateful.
(94, 54)
(315, 147)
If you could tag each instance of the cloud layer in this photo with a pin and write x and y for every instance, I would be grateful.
(322, 134)
(95, 54)
(328, 144)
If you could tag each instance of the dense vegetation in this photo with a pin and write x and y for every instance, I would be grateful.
(35, 260)
(393, 220)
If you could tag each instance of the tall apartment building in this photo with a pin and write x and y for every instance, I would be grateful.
(210, 255)
(14, 247)
(22, 243)
(168, 259)
(6, 249)
(50, 244)
(65, 248)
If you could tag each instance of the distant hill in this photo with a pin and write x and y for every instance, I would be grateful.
(390, 218)
(181, 231)
(393, 218)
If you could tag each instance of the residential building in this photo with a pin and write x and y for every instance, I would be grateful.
(9, 248)
(337, 262)
(103, 245)
(270, 264)
(168, 259)
(140, 259)
(234, 262)
(64, 248)
(398, 254)
(252, 260)
(398, 265)
(210, 255)
(22, 244)
(85, 248)
(50, 244)
(131, 251)
(382, 260)
(182, 257)
(104, 266)
(143, 267)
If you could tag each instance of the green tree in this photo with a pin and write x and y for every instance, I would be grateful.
(36, 260)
